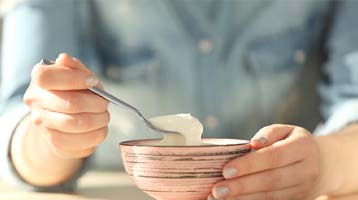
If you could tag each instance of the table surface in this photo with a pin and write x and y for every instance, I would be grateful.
(92, 186)
(98, 186)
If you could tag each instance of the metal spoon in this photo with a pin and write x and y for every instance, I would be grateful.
(118, 102)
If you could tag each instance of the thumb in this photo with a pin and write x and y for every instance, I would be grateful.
(64, 59)
(268, 135)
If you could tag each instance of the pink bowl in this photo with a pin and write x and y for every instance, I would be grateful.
(179, 172)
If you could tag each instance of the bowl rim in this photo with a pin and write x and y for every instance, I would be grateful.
(126, 143)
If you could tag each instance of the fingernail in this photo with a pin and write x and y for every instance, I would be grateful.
(221, 191)
(211, 198)
(229, 172)
(91, 81)
(261, 140)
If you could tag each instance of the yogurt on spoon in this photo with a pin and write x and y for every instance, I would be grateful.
(190, 128)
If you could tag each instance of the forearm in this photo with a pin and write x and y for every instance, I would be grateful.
(339, 162)
(35, 162)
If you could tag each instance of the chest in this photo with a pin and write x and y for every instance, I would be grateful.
(234, 59)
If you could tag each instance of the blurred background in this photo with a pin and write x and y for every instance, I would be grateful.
(5, 5)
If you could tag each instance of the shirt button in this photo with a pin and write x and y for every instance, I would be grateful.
(123, 8)
(211, 122)
(299, 56)
(113, 72)
(205, 46)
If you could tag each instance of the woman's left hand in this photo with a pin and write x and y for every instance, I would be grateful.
(284, 166)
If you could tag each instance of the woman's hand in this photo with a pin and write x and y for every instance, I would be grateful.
(284, 166)
(71, 118)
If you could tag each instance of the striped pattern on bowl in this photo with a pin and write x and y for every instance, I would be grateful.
(179, 172)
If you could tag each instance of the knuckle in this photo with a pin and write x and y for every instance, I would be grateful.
(28, 98)
(103, 105)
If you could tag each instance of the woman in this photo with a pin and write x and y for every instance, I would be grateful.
(237, 66)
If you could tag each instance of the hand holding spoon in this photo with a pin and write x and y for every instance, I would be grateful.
(118, 102)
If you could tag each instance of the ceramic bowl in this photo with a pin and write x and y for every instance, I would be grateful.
(179, 172)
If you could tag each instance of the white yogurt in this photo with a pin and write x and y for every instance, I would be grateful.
(190, 128)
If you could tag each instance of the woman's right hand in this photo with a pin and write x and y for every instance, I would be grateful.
(72, 119)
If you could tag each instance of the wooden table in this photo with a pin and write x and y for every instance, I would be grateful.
(93, 186)
(97, 186)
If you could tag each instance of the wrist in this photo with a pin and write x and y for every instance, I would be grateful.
(34, 160)
(327, 184)
(338, 162)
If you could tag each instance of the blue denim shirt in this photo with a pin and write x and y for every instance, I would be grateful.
(236, 65)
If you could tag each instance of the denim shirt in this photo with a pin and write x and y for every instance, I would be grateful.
(235, 65)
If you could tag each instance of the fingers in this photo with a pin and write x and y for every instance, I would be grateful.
(72, 119)
(78, 62)
(73, 154)
(65, 74)
(295, 192)
(270, 134)
(79, 101)
(56, 77)
(66, 60)
(70, 123)
(67, 143)
(270, 180)
(267, 172)
(279, 154)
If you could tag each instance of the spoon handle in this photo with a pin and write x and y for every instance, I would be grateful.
(115, 100)
(120, 102)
